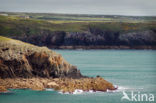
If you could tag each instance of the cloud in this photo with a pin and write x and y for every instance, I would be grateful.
(119, 7)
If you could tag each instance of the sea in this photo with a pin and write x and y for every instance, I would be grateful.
(132, 71)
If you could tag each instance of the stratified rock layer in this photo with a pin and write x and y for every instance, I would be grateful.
(19, 59)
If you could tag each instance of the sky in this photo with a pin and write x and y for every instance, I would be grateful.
(102, 7)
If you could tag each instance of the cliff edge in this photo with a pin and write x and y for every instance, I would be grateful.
(19, 59)
(23, 65)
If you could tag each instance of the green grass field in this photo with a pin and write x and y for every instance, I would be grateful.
(16, 23)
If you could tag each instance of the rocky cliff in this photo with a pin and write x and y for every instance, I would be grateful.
(19, 59)
(118, 32)
(23, 65)
(94, 39)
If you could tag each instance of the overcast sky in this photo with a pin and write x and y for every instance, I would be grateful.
(115, 7)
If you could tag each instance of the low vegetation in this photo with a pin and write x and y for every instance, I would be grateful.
(17, 24)
(55, 30)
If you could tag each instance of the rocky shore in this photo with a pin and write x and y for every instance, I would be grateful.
(24, 65)
(59, 84)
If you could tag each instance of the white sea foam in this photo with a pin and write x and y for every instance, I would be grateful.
(63, 93)
(78, 91)
(49, 89)
(91, 91)
(118, 89)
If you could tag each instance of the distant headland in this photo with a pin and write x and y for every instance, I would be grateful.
(71, 31)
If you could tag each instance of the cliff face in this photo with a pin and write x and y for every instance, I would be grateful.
(24, 65)
(117, 32)
(94, 37)
(19, 59)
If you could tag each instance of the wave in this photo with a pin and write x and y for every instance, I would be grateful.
(119, 89)
(78, 91)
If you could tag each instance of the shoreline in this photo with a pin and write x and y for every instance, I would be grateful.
(105, 47)
(64, 85)
(23, 65)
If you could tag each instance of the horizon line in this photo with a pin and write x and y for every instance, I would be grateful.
(79, 14)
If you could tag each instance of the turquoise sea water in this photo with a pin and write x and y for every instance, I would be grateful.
(130, 70)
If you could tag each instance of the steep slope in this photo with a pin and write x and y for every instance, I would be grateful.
(19, 59)
(23, 65)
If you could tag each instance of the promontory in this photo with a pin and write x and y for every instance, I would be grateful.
(24, 65)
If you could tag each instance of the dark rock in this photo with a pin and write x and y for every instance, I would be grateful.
(94, 37)
(138, 38)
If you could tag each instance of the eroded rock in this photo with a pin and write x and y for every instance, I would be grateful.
(19, 59)
(24, 65)
(60, 84)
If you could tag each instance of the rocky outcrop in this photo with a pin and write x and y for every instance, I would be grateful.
(59, 84)
(19, 59)
(24, 65)
(3, 89)
(95, 38)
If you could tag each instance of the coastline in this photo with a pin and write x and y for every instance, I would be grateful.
(104, 47)
(26, 66)
(63, 85)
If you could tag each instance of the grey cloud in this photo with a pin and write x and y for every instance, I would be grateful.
(119, 7)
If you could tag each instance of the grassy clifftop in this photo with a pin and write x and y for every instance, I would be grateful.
(55, 30)
(19, 25)
(3, 39)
